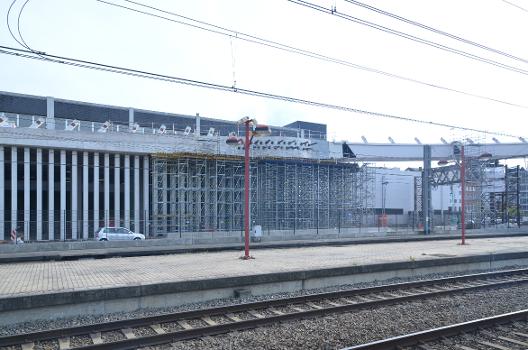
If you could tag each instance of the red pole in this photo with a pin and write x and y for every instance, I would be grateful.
(463, 199)
(246, 192)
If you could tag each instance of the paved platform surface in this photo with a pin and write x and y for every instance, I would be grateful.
(103, 250)
(33, 278)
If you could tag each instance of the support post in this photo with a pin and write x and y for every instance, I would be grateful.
(426, 189)
(51, 195)
(117, 191)
(14, 187)
(518, 204)
(127, 191)
(136, 195)
(50, 113)
(74, 196)
(85, 196)
(39, 194)
(146, 189)
(106, 189)
(62, 195)
(96, 214)
(463, 194)
(246, 192)
(2, 193)
(27, 192)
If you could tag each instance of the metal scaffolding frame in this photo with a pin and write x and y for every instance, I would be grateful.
(205, 193)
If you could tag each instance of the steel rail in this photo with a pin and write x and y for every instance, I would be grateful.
(223, 310)
(437, 333)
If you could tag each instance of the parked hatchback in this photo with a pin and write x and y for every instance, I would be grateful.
(117, 234)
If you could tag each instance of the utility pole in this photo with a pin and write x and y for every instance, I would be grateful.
(463, 195)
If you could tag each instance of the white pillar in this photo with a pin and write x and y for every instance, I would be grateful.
(51, 195)
(130, 117)
(39, 194)
(74, 199)
(62, 229)
(2, 193)
(197, 125)
(127, 191)
(117, 191)
(106, 189)
(146, 192)
(50, 113)
(136, 195)
(14, 188)
(27, 191)
(85, 196)
(96, 192)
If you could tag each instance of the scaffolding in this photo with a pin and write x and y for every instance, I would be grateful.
(195, 193)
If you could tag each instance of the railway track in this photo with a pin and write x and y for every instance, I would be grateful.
(502, 332)
(167, 328)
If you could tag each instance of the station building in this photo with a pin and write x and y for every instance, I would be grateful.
(68, 168)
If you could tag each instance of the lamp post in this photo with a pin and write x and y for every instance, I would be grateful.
(461, 161)
(463, 194)
(251, 129)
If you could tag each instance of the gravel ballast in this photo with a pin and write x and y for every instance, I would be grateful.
(333, 331)
(341, 330)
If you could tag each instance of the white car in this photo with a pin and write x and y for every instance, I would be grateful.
(117, 234)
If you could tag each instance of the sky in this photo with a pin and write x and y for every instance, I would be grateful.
(91, 30)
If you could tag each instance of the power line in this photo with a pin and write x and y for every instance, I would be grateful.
(9, 26)
(434, 30)
(284, 47)
(409, 36)
(515, 5)
(18, 25)
(42, 56)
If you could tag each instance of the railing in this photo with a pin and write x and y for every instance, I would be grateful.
(27, 121)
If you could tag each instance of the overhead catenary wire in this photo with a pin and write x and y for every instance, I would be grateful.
(162, 77)
(9, 25)
(18, 25)
(437, 31)
(515, 5)
(219, 30)
(409, 36)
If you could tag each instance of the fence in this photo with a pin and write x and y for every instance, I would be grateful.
(66, 226)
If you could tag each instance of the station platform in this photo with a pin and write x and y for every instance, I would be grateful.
(39, 290)
(64, 251)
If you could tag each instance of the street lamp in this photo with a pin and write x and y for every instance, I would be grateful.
(252, 128)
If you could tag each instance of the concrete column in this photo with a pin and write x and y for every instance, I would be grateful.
(426, 189)
(130, 117)
(74, 199)
(146, 192)
(62, 195)
(85, 197)
(39, 194)
(117, 191)
(27, 191)
(127, 191)
(14, 188)
(96, 192)
(50, 113)
(106, 189)
(137, 212)
(197, 126)
(51, 195)
(2, 193)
